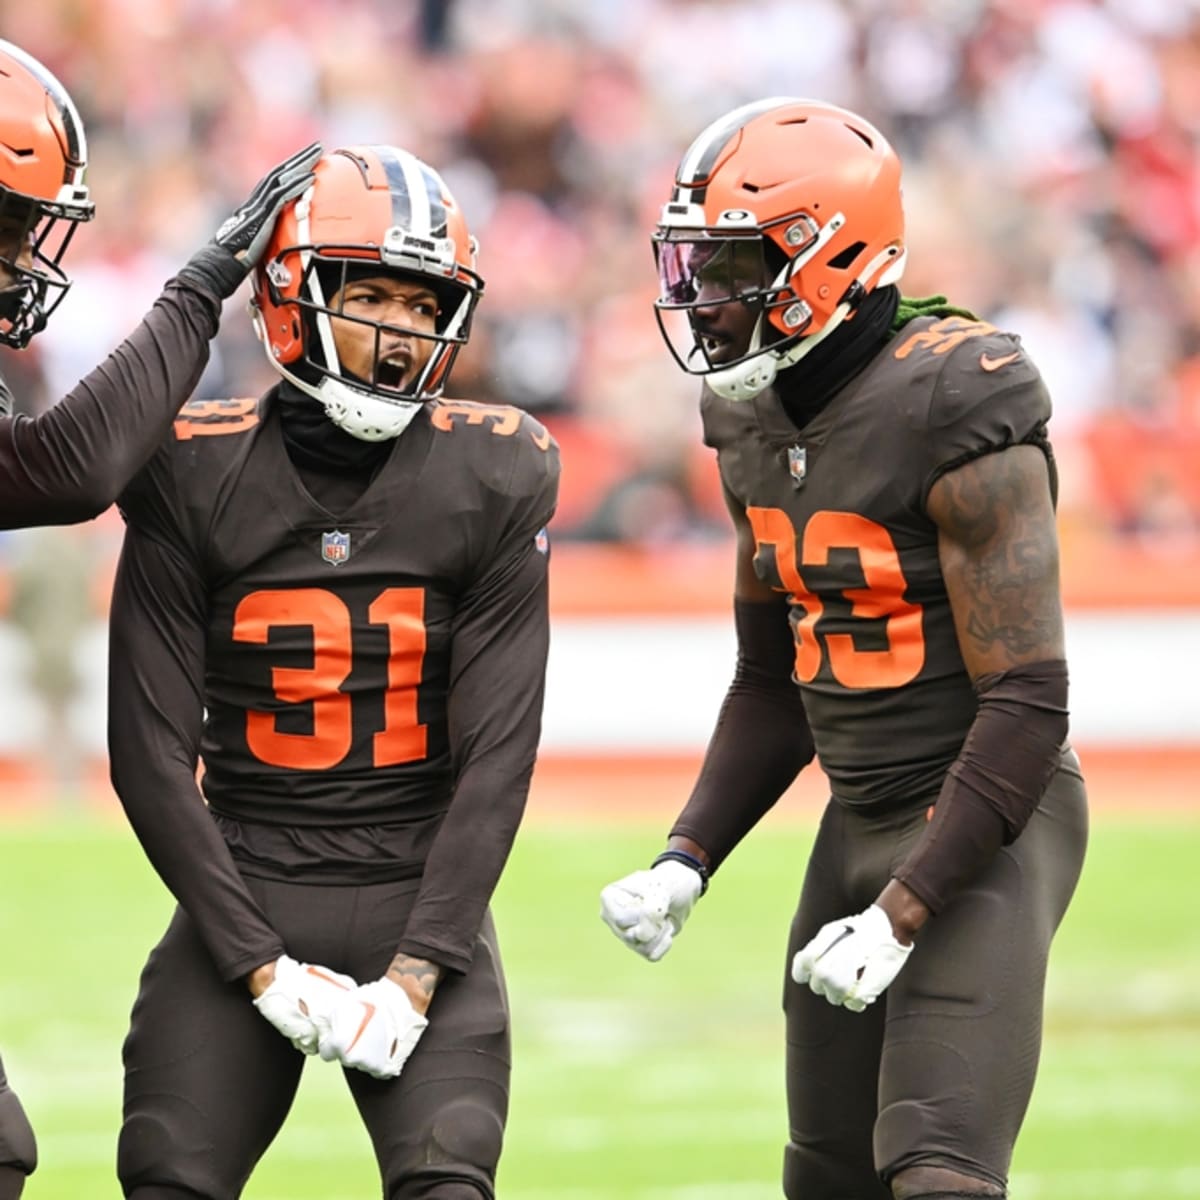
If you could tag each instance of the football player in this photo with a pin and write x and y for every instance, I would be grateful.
(69, 463)
(886, 466)
(335, 596)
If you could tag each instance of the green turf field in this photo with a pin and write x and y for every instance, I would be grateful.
(632, 1081)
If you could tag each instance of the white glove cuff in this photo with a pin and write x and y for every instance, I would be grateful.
(688, 860)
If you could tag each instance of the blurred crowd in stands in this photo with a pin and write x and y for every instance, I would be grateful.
(1052, 152)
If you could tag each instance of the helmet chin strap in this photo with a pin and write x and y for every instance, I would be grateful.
(362, 415)
(357, 413)
(744, 380)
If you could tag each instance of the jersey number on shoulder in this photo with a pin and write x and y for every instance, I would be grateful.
(503, 419)
(402, 739)
(211, 418)
(881, 599)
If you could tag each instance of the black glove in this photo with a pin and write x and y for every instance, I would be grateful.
(222, 264)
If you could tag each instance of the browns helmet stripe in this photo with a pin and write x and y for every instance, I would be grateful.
(438, 219)
(416, 193)
(697, 164)
(397, 181)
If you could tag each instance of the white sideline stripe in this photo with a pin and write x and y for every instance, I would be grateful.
(681, 666)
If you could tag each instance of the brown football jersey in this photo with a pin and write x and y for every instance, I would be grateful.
(838, 514)
(328, 649)
(362, 674)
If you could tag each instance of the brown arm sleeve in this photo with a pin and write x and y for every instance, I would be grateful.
(70, 463)
(501, 639)
(761, 740)
(995, 784)
(155, 716)
(998, 548)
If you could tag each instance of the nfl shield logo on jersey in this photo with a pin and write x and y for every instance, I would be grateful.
(798, 463)
(335, 547)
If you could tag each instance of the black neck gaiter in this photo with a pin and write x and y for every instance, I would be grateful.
(805, 389)
(315, 443)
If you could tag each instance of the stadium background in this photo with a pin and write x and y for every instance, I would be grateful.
(1053, 186)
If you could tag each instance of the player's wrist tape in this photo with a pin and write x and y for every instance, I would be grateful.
(688, 860)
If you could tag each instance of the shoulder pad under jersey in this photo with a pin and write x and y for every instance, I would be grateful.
(204, 438)
(976, 389)
(509, 451)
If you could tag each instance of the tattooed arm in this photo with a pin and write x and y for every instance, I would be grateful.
(418, 977)
(998, 549)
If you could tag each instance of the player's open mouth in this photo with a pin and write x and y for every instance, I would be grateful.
(392, 372)
(716, 347)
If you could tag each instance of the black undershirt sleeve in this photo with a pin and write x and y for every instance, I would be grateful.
(761, 740)
(500, 642)
(994, 786)
(156, 714)
(69, 463)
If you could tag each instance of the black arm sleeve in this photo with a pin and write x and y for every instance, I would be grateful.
(761, 741)
(497, 679)
(155, 716)
(993, 787)
(69, 463)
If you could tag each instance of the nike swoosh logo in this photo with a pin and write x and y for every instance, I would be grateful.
(994, 364)
(368, 1013)
(541, 440)
(317, 973)
(847, 931)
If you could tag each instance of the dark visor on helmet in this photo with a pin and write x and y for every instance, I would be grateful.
(697, 278)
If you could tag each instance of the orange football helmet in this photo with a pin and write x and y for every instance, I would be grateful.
(368, 205)
(795, 207)
(43, 157)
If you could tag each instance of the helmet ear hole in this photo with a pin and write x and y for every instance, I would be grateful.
(846, 257)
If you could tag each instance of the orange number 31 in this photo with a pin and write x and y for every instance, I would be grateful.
(402, 739)
(882, 597)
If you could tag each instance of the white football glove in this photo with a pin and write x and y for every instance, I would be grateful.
(300, 999)
(373, 1028)
(647, 909)
(851, 961)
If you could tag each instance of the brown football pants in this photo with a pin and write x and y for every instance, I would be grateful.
(18, 1149)
(940, 1069)
(208, 1081)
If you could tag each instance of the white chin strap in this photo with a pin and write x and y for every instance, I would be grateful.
(362, 415)
(744, 380)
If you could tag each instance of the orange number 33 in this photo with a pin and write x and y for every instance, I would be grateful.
(400, 740)
(881, 599)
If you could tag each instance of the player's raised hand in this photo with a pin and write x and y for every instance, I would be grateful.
(850, 962)
(373, 1028)
(647, 909)
(299, 999)
(245, 234)
(238, 245)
